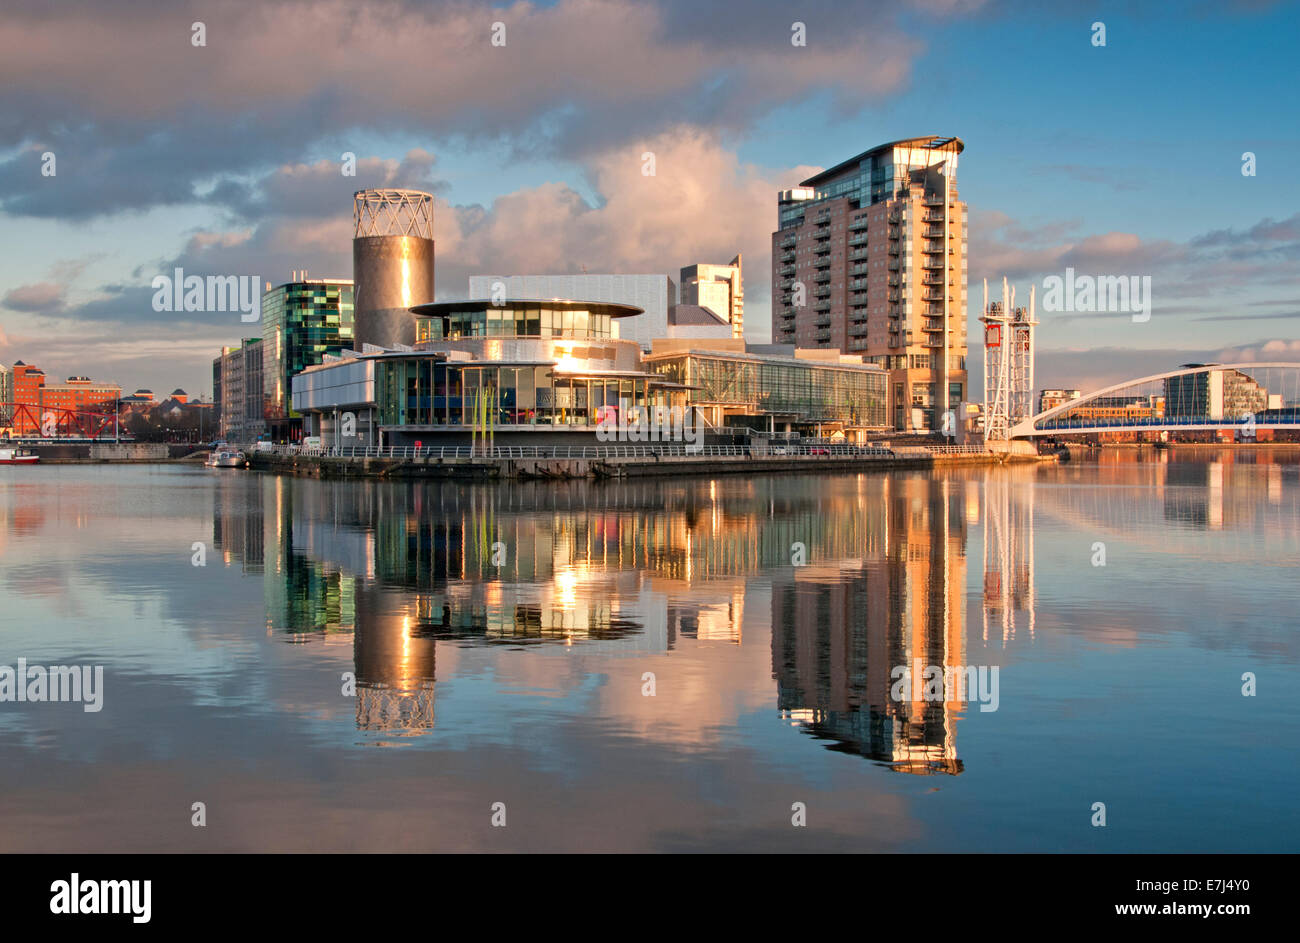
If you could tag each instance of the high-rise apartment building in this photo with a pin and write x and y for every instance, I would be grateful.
(302, 321)
(238, 390)
(869, 257)
(720, 288)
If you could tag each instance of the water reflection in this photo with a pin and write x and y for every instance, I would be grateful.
(838, 631)
(863, 577)
(501, 634)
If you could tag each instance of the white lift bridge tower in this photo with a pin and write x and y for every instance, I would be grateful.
(1008, 362)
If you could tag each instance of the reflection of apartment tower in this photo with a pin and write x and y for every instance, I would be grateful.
(238, 524)
(1197, 498)
(1008, 556)
(870, 257)
(719, 288)
(837, 641)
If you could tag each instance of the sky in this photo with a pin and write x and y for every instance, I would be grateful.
(226, 158)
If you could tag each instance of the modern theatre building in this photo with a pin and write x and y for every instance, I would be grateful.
(546, 371)
(524, 366)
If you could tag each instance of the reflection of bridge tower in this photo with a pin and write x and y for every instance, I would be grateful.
(1008, 556)
(1008, 362)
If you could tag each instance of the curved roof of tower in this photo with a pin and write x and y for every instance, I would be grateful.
(934, 142)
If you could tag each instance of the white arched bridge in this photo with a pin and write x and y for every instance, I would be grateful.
(1195, 397)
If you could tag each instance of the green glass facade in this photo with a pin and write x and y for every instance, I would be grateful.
(301, 322)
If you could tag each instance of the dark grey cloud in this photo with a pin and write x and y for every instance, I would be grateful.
(306, 190)
(1276, 237)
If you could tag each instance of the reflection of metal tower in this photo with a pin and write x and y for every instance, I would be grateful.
(1008, 556)
(1008, 362)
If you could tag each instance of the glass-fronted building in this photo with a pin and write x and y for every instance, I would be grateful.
(302, 322)
(651, 295)
(1215, 394)
(778, 392)
(521, 367)
(559, 367)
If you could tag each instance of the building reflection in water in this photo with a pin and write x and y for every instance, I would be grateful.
(838, 632)
(632, 568)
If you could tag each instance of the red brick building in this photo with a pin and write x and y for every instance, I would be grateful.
(31, 389)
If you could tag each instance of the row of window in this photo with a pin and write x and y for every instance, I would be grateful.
(516, 322)
(811, 393)
(423, 392)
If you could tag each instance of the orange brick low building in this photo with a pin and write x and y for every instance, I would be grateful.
(77, 393)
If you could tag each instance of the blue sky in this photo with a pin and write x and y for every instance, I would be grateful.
(1117, 160)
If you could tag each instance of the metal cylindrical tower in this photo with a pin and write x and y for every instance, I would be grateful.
(392, 264)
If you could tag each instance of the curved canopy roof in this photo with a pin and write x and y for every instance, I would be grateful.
(612, 309)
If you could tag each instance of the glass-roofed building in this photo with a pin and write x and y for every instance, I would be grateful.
(548, 371)
(531, 366)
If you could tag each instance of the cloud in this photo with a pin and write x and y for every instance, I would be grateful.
(308, 190)
(139, 117)
(1212, 273)
(38, 298)
(702, 205)
(1268, 238)
(1287, 351)
(1276, 316)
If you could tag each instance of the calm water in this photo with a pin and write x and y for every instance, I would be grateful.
(500, 638)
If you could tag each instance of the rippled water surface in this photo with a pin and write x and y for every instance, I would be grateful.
(648, 665)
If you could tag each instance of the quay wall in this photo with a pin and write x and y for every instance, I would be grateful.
(622, 467)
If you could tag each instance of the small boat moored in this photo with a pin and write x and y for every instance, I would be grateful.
(17, 456)
(226, 458)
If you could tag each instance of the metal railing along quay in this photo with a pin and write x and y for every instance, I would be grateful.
(660, 450)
